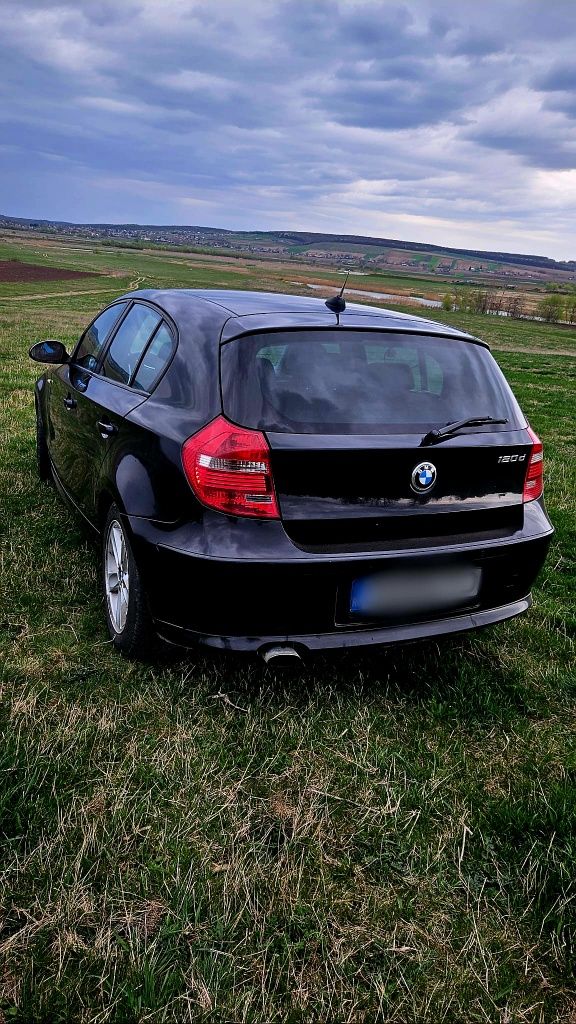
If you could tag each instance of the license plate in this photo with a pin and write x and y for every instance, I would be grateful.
(407, 591)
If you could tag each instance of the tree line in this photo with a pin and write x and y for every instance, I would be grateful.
(553, 308)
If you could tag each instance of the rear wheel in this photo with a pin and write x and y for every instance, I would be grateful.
(42, 457)
(127, 615)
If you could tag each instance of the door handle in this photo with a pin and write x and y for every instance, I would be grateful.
(70, 402)
(106, 429)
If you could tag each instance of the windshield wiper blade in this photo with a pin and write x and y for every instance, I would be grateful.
(440, 433)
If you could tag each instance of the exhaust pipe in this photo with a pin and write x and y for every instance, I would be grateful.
(278, 656)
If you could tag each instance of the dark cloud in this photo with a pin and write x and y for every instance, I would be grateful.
(379, 30)
(556, 155)
(560, 78)
(388, 105)
(477, 44)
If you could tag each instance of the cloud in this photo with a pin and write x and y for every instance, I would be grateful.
(197, 81)
(113, 106)
(559, 78)
(54, 35)
(433, 121)
(509, 125)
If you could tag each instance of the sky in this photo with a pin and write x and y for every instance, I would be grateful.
(429, 120)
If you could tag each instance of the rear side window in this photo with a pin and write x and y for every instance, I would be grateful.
(359, 382)
(95, 337)
(154, 359)
(129, 343)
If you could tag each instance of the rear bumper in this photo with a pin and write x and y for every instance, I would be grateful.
(266, 591)
(385, 636)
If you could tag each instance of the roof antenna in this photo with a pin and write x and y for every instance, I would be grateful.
(337, 304)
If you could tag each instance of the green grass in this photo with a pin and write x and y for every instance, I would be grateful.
(382, 836)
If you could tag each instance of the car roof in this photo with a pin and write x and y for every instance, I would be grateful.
(238, 312)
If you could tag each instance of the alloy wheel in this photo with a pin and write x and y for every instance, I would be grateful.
(116, 576)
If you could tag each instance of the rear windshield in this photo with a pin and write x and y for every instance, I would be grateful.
(359, 382)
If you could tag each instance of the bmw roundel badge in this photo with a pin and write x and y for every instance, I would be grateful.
(423, 477)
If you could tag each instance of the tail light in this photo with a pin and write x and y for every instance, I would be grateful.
(534, 482)
(229, 469)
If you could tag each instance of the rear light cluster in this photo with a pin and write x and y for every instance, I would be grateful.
(534, 482)
(229, 469)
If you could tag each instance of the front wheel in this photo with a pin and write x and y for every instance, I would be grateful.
(127, 615)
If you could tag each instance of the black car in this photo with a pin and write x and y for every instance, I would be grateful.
(278, 474)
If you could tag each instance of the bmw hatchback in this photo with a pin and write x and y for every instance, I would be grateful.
(277, 474)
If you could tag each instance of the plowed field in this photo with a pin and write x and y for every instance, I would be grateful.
(13, 270)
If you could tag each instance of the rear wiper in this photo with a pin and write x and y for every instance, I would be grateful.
(435, 436)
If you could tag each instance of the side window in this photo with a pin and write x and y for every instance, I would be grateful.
(154, 359)
(94, 339)
(129, 342)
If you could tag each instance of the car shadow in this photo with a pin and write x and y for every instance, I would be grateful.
(463, 678)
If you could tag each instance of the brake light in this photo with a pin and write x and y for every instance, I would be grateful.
(229, 469)
(534, 482)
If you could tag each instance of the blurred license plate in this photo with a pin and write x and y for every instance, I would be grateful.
(406, 591)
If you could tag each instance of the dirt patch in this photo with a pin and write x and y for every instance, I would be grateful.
(58, 295)
(530, 351)
(13, 270)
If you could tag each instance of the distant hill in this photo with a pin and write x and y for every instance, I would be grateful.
(363, 250)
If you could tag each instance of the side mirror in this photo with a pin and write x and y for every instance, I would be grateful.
(49, 351)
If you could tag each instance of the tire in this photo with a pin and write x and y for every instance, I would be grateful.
(126, 607)
(42, 458)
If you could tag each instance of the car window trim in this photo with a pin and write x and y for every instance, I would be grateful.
(149, 391)
(117, 302)
(343, 328)
(163, 323)
(110, 340)
(164, 317)
(144, 350)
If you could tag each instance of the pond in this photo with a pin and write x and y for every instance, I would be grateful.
(434, 303)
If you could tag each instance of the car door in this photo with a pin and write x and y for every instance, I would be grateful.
(68, 391)
(109, 396)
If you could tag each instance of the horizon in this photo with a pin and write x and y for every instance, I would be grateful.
(275, 231)
(456, 128)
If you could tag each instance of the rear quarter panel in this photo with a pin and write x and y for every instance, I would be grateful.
(144, 468)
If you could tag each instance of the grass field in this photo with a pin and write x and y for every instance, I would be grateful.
(377, 837)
